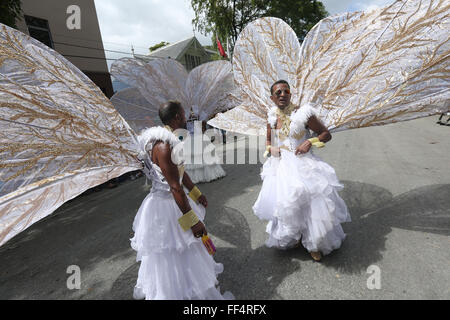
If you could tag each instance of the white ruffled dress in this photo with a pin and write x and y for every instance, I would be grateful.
(299, 196)
(174, 264)
(202, 172)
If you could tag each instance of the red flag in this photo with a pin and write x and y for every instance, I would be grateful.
(219, 45)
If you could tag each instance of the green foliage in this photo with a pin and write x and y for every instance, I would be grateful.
(158, 45)
(10, 11)
(215, 56)
(227, 18)
(301, 15)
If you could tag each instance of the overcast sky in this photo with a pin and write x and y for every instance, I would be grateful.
(143, 23)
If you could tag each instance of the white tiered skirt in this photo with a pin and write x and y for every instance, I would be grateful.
(174, 264)
(204, 172)
(299, 197)
(201, 165)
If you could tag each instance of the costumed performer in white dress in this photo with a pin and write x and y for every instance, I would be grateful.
(299, 193)
(205, 91)
(60, 136)
(352, 70)
(175, 264)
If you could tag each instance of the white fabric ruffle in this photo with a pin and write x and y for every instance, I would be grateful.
(300, 117)
(204, 173)
(174, 264)
(272, 117)
(299, 198)
(202, 167)
(150, 135)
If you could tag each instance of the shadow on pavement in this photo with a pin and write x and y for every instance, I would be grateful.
(375, 212)
(93, 232)
(242, 264)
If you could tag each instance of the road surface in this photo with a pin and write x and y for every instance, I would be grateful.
(397, 188)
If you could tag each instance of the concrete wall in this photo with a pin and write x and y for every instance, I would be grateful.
(75, 45)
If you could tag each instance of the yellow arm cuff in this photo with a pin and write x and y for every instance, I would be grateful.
(195, 193)
(316, 142)
(188, 220)
(266, 154)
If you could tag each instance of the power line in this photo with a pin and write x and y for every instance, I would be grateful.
(92, 48)
(100, 58)
(87, 57)
(84, 39)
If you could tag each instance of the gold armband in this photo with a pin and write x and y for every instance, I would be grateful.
(188, 220)
(266, 154)
(316, 142)
(195, 193)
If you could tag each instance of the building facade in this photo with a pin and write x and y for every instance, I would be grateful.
(189, 52)
(52, 22)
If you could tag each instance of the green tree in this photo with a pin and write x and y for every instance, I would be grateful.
(301, 15)
(158, 45)
(10, 11)
(213, 47)
(227, 18)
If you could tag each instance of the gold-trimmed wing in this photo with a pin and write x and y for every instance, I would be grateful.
(59, 135)
(239, 120)
(360, 69)
(378, 67)
(266, 50)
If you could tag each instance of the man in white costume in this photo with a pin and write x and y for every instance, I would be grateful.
(352, 70)
(168, 226)
(299, 194)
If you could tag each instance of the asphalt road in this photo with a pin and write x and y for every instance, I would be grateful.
(397, 188)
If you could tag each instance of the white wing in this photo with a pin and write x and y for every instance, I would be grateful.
(210, 88)
(378, 67)
(239, 120)
(59, 135)
(135, 109)
(267, 50)
(360, 69)
(158, 81)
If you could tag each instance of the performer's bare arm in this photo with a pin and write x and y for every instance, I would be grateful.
(269, 135)
(161, 156)
(322, 133)
(275, 151)
(187, 182)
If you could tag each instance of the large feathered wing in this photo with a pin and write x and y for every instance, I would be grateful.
(59, 135)
(266, 50)
(358, 69)
(211, 90)
(158, 81)
(135, 109)
(207, 90)
(240, 120)
(373, 68)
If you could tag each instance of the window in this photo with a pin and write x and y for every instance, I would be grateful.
(39, 29)
(191, 61)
